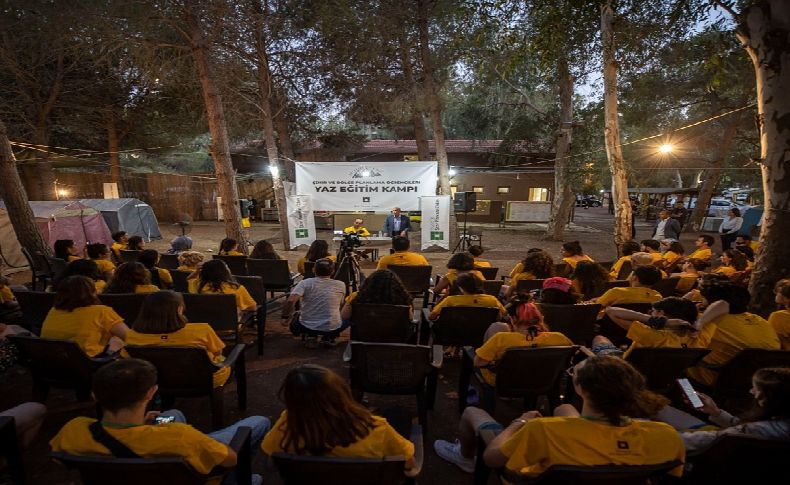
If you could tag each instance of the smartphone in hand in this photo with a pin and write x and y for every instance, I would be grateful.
(164, 419)
(690, 393)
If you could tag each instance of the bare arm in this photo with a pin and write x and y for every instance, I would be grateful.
(230, 460)
(288, 305)
(345, 311)
(624, 317)
(119, 330)
(493, 457)
(481, 362)
(441, 285)
(712, 312)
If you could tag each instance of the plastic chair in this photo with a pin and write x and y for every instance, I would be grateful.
(309, 269)
(377, 322)
(275, 273)
(667, 286)
(618, 283)
(460, 325)
(254, 285)
(236, 264)
(524, 286)
(735, 377)
(577, 322)
(493, 287)
(180, 282)
(129, 256)
(100, 470)
(740, 459)
(188, 372)
(662, 366)
(39, 269)
(35, 306)
(57, 266)
(562, 269)
(488, 273)
(57, 363)
(218, 310)
(416, 279)
(625, 270)
(127, 305)
(168, 261)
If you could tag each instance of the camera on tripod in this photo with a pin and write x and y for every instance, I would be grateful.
(350, 241)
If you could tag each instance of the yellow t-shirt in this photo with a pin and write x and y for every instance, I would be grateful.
(544, 442)
(733, 334)
(575, 259)
(780, 321)
(656, 257)
(628, 294)
(687, 281)
(202, 452)
(494, 348)
(695, 296)
(670, 258)
(100, 286)
(6, 295)
(402, 258)
(642, 335)
(481, 263)
(186, 268)
(231, 253)
(452, 275)
(382, 441)
(192, 335)
(351, 297)
(244, 302)
(362, 231)
(165, 277)
(701, 254)
(300, 264)
(73, 258)
(615, 271)
(727, 271)
(146, 289)
(754, 245)
(117, 248)
(105, 266)
(481, 300)
(88, 326)
(518, 268)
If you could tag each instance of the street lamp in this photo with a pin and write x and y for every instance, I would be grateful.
(666, 148)
(452, 172)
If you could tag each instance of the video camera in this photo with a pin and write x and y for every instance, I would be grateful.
(350, 241)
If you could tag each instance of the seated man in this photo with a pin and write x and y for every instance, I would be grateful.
(653, 248)
(745, 240)
(703, 243)
(123, 389)
(357, 228)
(640, 291)
(321, 298)
(402, 256)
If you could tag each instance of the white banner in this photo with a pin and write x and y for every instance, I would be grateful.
(369, 186)
(301, 223)
(435, 225)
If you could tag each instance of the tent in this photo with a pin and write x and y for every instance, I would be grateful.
(56, 219)
(131, 215)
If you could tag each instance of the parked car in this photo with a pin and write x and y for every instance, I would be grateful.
(587, 201)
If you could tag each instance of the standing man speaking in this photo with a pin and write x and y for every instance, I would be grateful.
(397, 224)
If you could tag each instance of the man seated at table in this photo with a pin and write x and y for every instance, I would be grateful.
(402, 255)
(357, 228)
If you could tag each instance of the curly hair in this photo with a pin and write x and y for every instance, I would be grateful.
(737, 259)
(190, 259)
(592, 278)
(383, 286)
(264, 250)
(127, 277)
(319, 249)
(539, 263)
(461, 262)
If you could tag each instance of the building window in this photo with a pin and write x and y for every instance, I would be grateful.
(477, 189)
(538, 194)
(503, 190)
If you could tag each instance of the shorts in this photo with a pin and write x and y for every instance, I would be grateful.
(492, 425)
(607, 349)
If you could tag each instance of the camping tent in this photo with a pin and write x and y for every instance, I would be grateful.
(56, 219)
(131, 215)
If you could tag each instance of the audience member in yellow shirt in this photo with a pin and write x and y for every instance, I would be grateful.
(572, 253)
(459, 263)
(673, 255)
(79, 316)
(131, 278)
(135, 243)
(162, 323)
(66, 250)
(626, 249)
(229, 247)
(81, 267)
(381, 287)
(357, 228)
(476, 252)
(640, 291)
(189, 260)
(736, 330)
(120, 239)
(321, 418)
(602, 434)
(692, 270)
(161, 278)
(402, 256)
(319, 249)
(215, 277)
(471, 295)
(8, 301)
(100, 254)
(732, 261)
(703, 243)
(537, 265)
(780, 320)
(653, 248)
(124, 389)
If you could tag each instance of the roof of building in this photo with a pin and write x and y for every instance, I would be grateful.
(452, 146)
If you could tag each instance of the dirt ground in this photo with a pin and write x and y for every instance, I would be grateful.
(504, 247)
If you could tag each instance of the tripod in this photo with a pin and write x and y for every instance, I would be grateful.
(463, 242)
(347, 268)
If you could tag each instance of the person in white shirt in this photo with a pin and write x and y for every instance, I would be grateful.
(666, 227)
(730, 227)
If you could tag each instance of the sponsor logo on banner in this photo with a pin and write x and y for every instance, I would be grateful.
(301, 223)
(435, 226)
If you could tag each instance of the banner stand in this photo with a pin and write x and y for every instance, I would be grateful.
(435, 225)
(301, 223)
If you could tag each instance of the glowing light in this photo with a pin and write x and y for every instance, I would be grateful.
(601, 191)
(452, 172)
(63, 192)
(275, 171)
(666, 148)
(366, 173)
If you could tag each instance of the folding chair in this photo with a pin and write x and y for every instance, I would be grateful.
(667, 286)
(129, 256)
(9, 449)
(493, 287)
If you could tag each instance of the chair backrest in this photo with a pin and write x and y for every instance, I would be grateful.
(254, 286)
(180, 282)
(625, 269)
(577, 322)
(617, 283)
(275, 272)
(181, 371)
(661, 366)
(463, 325)
(218, 310)
(236, 264)
(37, 262)
(523, 286)
(309, 269)
(99, 470)
(57, 266)
(531, 371)
(492, 287)
(376, 322)
(168, 261)
(488, 273)
(416, 279)
(35, 305)
(127, 305)
(667, 286)
(738, 458)
(562, 269)
(129, 256)
(384, 368)
(735, 377)
(301, 469)
(637, 307)
(600, 474)
(59, 363)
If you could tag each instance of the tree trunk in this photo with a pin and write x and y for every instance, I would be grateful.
(13, 193)
(712, 177)
(614, 152)
(763, 31)
(44, 173)
(113, 144)
(563, 200)
(31, 178)
(220, 147)
(420, 137)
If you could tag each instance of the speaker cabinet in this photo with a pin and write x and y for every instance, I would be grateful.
(465, 201)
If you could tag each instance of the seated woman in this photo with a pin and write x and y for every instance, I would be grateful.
(189, 260)
(537, 265)
(160, 277)
(604, 433)
(459, 263)
(102, 256)
(559, 291)
(732, 261)
(780, 320)
(135, 243)
(589, 279)
(66, 250)
(674, 253)
(477, 252)
(526, 330)
(693, 269)
(229, 247)
(519, 267)
(626, 249)
(180, 244)
(131, 278)
(81, 267)
(264, 250)
(79, 316)
(572, 253)
(162, 323)
(768, 418)
(321, 418)
(471, 295)
(319, 249)
(382, 287)
(214, 277)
